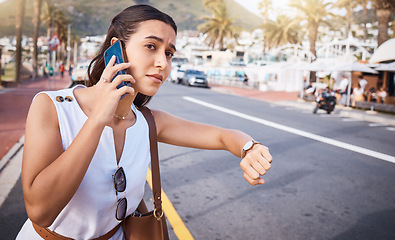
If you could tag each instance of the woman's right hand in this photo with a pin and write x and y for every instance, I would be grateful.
(106, 92)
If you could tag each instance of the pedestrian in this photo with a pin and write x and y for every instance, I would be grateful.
(343, 87)
(358, 95)
(61, 69)
(381, 95)
(362, 82)
(372, 95)
(77, 138)
(70, 68)
(245, 79)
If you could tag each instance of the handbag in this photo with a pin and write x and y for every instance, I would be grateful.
(142, 224)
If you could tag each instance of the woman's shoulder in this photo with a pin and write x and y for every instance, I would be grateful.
(45, 102)
(160, 114)
(42, 110)
(62, 92)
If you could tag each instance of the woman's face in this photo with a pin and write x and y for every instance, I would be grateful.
(149, 50)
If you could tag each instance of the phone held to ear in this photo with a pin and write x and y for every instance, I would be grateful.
(116, 50)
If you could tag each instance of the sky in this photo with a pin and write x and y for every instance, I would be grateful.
(252, 5)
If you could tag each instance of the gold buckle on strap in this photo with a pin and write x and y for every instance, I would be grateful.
(156, 216)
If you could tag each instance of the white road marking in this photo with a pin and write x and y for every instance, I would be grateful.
(377, 125)
(316, 137)
(390, 128)
(350, 120)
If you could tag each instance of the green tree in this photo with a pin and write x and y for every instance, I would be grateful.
(20, 14)
(220, 26)
(282, 31)
(314, 12)
(36, 23)
(384, 10)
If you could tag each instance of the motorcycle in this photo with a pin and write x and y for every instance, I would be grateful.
(326, 101)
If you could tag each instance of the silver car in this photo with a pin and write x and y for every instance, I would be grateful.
(194, 78)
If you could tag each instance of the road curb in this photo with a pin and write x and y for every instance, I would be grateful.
(10, 169)
(366, 116)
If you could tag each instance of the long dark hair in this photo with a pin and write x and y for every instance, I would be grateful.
(122, 27)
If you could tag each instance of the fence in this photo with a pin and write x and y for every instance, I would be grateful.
(232, 81)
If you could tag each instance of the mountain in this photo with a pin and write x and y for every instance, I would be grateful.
(93, 17)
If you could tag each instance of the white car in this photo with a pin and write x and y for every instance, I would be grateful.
(80, 73)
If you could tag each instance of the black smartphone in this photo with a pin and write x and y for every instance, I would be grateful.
(116, 50)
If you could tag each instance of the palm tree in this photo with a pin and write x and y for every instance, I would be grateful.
(209, 4)
(282, 31)
(53, 14)
(36, 23)
(314, 12)
(384, 10)
(56, 21)
(364, 5)
(218, 27)
(20, 14)
(265, 6)
(349, 5)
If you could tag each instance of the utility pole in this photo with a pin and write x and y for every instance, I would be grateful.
(1, 69)
(53, 51)
(20, 14)
(68, 45)
(75, 54)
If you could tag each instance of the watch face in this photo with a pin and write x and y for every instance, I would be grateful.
(248, 145)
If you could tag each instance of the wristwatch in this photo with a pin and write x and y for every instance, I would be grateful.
(248, 146)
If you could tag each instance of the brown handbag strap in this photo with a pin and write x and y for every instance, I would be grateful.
(48, 234)
(156, 186)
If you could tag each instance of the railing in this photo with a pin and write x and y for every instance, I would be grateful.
(232, 81)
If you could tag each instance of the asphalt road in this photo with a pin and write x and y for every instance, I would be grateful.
(314, 190)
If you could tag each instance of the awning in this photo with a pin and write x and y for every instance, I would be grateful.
(386, 67)
(386, 52)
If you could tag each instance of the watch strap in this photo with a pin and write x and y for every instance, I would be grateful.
(244, 151)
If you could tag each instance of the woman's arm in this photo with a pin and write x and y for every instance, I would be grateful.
(51, 176)
(180, 132)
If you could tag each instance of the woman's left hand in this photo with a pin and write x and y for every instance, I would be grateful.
(256, 163)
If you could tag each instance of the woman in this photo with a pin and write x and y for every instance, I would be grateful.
(358, 95)
(76, 139)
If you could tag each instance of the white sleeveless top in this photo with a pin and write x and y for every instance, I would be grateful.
(91, 211)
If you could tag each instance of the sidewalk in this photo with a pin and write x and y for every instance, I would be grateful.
(14, 106)
(291, 99)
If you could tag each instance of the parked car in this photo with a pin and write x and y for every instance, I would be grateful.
(178, 61)
(176, 75)
(80, 73)
(194, 78)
